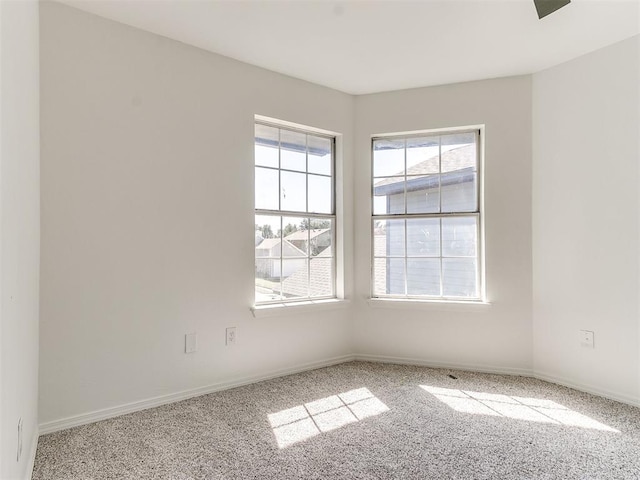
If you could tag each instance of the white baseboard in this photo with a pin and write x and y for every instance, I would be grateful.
(77, 420)
(83, 419)
(32, 454)
(525, 372)
(503, 371)
(618, 397)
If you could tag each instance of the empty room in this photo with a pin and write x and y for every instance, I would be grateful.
(291, 239)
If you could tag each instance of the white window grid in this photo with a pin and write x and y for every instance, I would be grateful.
(477, 214)
(303, 214)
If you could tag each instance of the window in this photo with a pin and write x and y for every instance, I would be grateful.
(426, 216)
(295, 215)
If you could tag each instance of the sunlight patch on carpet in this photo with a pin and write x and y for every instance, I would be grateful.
(520, 408)
(302, 422)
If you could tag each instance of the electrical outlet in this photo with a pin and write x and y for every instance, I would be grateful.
(586, 338)
(231, 336)
(190, 342)
(19, 447)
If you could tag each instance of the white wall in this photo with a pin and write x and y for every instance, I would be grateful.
(586, 215)
(147, 220)
(147, 216)
(19, 234)
(495, 337)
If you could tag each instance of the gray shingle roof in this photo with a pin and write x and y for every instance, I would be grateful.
(302, 234)
(458, 158)
(319, 281)
(290, 250)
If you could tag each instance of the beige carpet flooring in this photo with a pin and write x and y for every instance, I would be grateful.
(361, 421)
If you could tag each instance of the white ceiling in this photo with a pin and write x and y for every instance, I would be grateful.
(366, 46)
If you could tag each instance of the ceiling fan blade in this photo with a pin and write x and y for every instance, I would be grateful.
(545, 7)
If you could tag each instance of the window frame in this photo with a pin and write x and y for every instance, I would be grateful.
(478, 213)
(332, 217)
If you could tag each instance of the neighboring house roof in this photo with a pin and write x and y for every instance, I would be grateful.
(302, 234)
(325, 253)
(319, 280)
(459, 166)
(290, 249)
(268, 243)
(454, 159)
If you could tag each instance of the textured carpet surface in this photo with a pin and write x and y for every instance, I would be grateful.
(361, 421)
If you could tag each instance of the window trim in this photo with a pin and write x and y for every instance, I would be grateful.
(479, 213)
(275, 305)
(295, 308)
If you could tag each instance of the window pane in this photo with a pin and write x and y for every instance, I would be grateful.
(459, 236)
(266, 146)
(293, 150)
(294, 173)
(321, 238)
(423, 155)
(319, 194)
(459, 277)
(395, 276)
(388, 238)
(267, 290)
(267, 226)
(295, 277)
(379, 238)
(388, 158)
(423, 237)
(423, 194)
(268, 246)
(426, 252)
(380, 276)
(319, 151)
(423, 276)
(266, 188)
(294, 191)
(459, 192)
(388, 195)
(459, 152)
(267, 258)
(295, 237)
(388, 276)
(321, 277)
(458, 139)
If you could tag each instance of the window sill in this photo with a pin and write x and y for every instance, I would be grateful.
(279, 309)
(437, 305)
